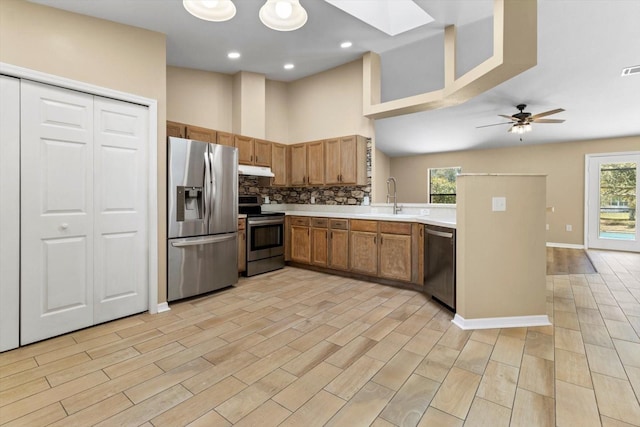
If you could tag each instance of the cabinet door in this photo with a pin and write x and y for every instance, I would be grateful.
(201, 134)
(348, 165)
(395, 256)
(315, 163)
(363, 254)
(300, 244)
(279, 164)
(245, 149)
(332, 161)
(319, 246)
(176, 129)
(339, 249)
(224, 138)
(262, 153)
(298, 164)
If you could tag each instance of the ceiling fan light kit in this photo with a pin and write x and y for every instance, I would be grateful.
(279, 15)
(211, 10)
(521, 121)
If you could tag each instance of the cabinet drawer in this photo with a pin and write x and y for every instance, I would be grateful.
(339, 224)
(364, 225)
(242, 224)
(300, 220)
(392, 227)
(319, 222)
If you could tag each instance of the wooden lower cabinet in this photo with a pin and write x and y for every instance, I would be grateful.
(319, 253)
(242, 245)
(395, 242)
(388, 250)
(395, 257)
(300, 240)
(363, 256)
(338, 245)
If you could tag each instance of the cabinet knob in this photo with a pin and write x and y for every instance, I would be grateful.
(64, 226)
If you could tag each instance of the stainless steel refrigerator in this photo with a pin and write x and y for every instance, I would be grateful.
(202, 200)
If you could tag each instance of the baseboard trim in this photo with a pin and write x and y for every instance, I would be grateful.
(564, 245)
(500, 322)
(163, 306)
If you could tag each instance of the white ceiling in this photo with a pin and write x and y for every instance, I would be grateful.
(582, 47)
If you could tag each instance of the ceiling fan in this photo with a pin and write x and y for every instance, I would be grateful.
(521, 122)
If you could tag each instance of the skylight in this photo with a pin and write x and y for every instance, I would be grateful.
(390, 16)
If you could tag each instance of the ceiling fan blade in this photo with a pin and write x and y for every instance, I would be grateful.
(508, 117)
(495, 124)
(548, 121)
(546, 113)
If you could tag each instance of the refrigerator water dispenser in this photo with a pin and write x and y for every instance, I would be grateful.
(189, 203)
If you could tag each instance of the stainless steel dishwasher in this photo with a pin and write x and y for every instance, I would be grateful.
(440, 264)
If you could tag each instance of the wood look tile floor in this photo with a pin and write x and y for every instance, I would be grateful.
(300, 348)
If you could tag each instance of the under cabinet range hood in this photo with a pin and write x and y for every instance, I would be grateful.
(255, 171)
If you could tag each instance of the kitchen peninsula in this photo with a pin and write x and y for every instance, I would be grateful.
(501, 248)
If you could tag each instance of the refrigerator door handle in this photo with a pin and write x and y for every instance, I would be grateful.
(207, 186)
(213, 183)
(206, 241)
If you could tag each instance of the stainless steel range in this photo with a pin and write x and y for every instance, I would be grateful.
(265, 236)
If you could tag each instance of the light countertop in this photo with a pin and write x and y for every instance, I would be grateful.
(422, 219)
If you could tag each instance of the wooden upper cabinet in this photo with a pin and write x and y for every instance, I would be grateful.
(244, 144)
(345, 160)
(262, 153)
(279, 164)
(176, 129)
(225, 138)
(315, 163)
(201, 134)
(332, 161)
(298, 164)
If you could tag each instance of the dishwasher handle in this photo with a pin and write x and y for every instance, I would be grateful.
(439, 233)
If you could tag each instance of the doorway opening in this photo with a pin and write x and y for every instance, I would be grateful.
(611, 201)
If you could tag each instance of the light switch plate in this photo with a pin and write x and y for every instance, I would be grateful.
(499, 204)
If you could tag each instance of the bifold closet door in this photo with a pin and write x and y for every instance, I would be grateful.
(56, 169)
(9, 212)
(120, 206)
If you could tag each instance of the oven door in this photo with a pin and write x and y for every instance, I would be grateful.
(265, 238)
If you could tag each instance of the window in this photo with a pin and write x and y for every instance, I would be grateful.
(442, 184)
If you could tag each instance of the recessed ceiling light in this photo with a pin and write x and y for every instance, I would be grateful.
(233, 55)
(345, 45)
(288, 66)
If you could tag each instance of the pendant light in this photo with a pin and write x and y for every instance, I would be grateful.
(211, 10)
(283, 15)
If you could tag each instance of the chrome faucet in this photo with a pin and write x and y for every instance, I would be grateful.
(395, 195)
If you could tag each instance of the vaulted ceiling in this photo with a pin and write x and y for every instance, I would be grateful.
(583, 45)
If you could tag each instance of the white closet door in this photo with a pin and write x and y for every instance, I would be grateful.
(56, 211)
(120, 203)
(9, 212)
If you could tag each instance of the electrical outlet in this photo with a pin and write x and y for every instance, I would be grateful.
(569, 227)
(547, 227)
(313, 200)
(499, 204)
